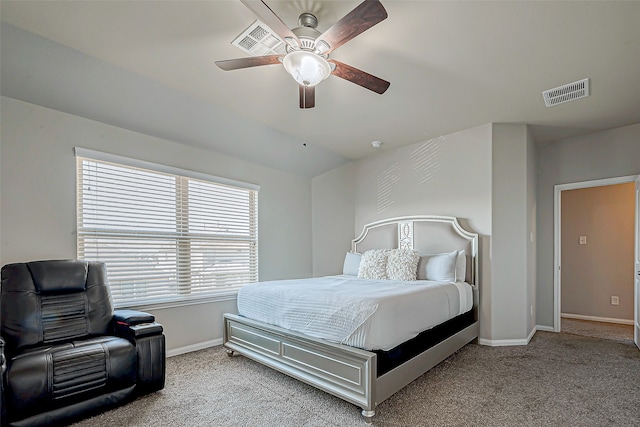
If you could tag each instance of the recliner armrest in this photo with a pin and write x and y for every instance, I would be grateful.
(134, 332)
(132, 317)
(134, 324)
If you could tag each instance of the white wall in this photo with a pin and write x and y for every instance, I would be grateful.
(608, 154)
(37, 209)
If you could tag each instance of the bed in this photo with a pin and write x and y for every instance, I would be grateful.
(347, 352)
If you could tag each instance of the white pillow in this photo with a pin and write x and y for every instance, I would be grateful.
(373, 265)
(351, 264)
(402, 264)
(461, 267)
(441, 267)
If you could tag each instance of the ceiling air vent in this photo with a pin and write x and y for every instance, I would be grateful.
(566, 93)
(259, 40)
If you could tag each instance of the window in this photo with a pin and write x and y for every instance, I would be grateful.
(165, 234)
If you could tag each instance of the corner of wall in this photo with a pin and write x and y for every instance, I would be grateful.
(510, 253)
(332, 218)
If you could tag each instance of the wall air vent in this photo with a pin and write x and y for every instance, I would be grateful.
(566, 93)
(259, 40)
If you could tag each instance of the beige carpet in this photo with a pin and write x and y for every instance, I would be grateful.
(587, 328)
(557, 380)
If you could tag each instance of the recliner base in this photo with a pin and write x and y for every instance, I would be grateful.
(77, 411)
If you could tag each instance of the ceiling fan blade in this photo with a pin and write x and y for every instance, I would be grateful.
(271, 20)
(307, 96)
(359, 77)
(252, 61)
(364, 16)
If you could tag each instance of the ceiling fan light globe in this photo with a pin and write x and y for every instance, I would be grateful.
(306, 67)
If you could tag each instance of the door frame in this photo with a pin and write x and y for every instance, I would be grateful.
(557, 210)
(636, 270)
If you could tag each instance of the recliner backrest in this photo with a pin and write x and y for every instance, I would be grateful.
(45, 302)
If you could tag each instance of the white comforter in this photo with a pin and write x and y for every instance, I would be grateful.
(363, 313)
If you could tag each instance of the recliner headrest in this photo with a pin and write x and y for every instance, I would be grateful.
(59, 275)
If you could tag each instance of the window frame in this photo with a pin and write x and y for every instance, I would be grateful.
(180, 174)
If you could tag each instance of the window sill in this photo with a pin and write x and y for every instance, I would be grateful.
(159, 305)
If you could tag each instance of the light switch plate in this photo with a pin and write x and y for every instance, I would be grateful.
(583, 240)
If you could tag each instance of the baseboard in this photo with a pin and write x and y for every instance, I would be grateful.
(597, 319)
(509, 342)
(193, 347)
(531, 334)
(481, 341)
(502, 343)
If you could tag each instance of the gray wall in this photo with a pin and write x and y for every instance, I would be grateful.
(37, 210)
(592, 273)
(450, 175)
(333, 204)
(608, 154)
(513, 198)
(532, 162)
(39, 71)
(0, 186)
(484, 175)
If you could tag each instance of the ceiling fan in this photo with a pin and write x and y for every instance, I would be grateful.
(307, 50)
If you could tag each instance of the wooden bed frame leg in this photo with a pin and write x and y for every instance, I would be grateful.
(368, 416)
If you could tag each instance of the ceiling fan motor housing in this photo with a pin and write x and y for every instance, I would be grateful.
(307, 50)
(306, 32)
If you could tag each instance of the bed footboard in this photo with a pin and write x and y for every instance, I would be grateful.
(345, 372)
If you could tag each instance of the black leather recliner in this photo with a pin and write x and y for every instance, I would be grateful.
(64, 352)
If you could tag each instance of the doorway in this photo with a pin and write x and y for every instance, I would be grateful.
(584, 262)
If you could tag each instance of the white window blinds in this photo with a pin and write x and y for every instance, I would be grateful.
(165, 236)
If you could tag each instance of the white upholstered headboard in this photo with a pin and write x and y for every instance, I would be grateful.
(427, 234)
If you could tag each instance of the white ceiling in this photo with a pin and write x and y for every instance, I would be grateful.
(452, 65)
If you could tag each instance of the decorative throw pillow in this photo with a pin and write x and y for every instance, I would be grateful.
(351, 264)
(441, 267)
(402, 264)
(461, 267)
(373, 265)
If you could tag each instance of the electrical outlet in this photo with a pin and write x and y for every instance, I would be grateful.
(583, 240)
(615, 300)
